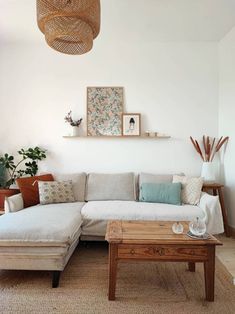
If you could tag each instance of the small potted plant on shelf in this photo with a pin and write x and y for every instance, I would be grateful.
(74, 124)
(11, 170)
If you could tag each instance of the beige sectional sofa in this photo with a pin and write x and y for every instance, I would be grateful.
(43, 237)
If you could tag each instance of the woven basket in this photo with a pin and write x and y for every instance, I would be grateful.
(69, 25)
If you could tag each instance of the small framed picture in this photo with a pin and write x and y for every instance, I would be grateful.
(131, 124)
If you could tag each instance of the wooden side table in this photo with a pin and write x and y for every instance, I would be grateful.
(216, 189)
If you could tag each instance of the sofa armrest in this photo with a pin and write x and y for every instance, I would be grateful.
(13, 203)
(214, 219)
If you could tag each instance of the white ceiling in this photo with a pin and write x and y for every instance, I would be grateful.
(141, 20)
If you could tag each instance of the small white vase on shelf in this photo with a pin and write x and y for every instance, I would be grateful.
(72, 131)
(208, 171)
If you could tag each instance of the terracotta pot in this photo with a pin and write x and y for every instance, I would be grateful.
(6, 193)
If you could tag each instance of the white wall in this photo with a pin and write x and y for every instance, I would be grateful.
(173, 85)
(227, 116)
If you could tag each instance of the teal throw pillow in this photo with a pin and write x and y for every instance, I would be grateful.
(169, 193)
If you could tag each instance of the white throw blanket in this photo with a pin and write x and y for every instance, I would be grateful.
(214, 219)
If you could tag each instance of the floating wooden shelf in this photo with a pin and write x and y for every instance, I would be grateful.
(120, 136)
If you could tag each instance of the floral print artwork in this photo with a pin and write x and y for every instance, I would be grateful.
(104, 111)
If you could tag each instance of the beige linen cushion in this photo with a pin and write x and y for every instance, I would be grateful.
(79, 184)
(102, 187)
(55, 192)
(191, 189)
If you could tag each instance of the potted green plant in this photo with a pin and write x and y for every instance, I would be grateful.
(11, 170)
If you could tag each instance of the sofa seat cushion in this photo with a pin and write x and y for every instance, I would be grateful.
(128, 210)
(96, 214)
(53, 223)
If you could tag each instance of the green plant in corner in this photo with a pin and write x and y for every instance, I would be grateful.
(29, 157)
(2, 174)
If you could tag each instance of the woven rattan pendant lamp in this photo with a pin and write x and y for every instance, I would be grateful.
(69, 25)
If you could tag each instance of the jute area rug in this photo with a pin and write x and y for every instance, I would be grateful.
(148, 287)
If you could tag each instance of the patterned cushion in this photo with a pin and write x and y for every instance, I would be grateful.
(56, 192)
(191, 189)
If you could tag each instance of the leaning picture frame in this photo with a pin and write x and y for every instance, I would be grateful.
(104, 111)
(131, 124)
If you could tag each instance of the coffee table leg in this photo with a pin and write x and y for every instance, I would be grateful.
(191, 266)
(209, 273)
(112, 270)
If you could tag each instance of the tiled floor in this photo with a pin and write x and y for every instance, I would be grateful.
(226, 254)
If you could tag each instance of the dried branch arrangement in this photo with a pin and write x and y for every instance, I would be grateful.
(68, 118)
(210, 147)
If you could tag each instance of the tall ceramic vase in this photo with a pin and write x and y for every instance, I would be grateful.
(208, 171)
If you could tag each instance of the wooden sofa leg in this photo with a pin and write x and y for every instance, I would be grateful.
(56, 279)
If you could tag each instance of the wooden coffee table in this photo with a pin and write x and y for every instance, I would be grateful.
(155, 241)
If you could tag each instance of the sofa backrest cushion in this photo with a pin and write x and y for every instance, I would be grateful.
(79, 184)
(154, 178)
(29, 188)
(119, 186)
(168, 193)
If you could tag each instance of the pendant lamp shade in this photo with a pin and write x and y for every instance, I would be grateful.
(69, 25)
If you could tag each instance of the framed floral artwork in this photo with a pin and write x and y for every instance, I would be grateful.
(131, 124)
(104, 111)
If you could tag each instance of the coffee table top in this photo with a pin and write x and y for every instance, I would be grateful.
(151, 232)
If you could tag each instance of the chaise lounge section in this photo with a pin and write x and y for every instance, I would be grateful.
(40, 238)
